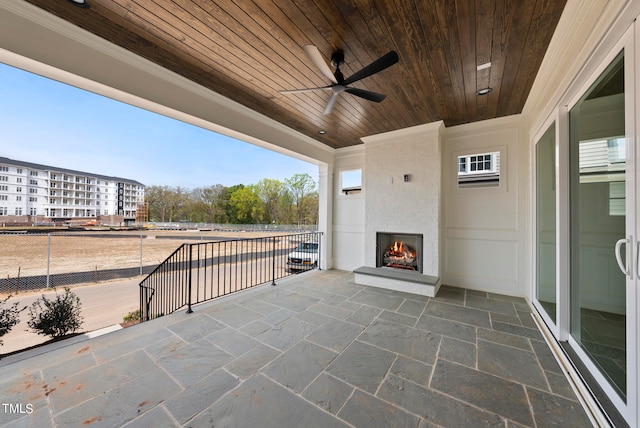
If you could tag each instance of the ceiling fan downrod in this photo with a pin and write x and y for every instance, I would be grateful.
(337, 60)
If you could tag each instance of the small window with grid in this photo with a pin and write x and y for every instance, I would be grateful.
(479, 170)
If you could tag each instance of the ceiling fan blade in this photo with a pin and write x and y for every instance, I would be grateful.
(367, 95)
(376, 66)
(295, 91)
(316, 58)
(331, 103)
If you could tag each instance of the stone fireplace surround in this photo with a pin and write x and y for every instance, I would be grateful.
(404, 207)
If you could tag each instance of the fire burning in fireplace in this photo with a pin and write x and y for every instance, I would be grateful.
(400, 255)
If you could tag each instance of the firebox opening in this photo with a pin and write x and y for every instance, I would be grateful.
(399, 251)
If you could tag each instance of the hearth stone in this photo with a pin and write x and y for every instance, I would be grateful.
(398, 280)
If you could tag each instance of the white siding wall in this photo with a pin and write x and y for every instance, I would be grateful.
(485, 230)
(348, 213)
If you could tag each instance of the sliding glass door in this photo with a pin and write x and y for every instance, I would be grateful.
(598, 180)
(586, 246)
(546, 272)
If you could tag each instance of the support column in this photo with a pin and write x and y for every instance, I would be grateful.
(325, 215)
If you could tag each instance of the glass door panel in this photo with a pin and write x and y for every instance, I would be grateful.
(546, 222)
(598, 220)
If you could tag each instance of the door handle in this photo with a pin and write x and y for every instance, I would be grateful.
(623, 265)
(637, 259)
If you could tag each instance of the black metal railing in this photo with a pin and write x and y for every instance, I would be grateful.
(195, 273)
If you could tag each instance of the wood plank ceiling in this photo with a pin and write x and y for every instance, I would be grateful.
(250, 50)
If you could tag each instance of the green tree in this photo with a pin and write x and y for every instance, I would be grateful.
(247, 206)
(209, 204)
(154, 197)
(177, 203)
(292, 201)
(301, 187)
(269, 191)
(192, 209)
(229, 208)
(309, 207)
(286, 209)
(167, 203)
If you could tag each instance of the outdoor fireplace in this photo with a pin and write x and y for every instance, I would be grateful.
(399, 251)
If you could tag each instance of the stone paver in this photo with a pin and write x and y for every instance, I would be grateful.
(335, 335)
(260, 402)
(328, 392)
(362, 365)
(300, 365)
(497, 395)
(510, 363)
(188, 402)
(435, 407)
(317, 350)
(365, 410)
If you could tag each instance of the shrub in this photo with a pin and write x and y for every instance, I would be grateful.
(9, 317)
(132, 316)
(56, 317)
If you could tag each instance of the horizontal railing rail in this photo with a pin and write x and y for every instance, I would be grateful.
(198, 272)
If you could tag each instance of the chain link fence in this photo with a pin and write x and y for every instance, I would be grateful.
(30, 261)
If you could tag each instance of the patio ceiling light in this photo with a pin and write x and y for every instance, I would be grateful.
(81, 3)
(484, 91)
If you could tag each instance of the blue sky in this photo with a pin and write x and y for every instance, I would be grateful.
(50, 123)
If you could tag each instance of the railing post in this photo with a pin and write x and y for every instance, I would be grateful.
(319, 238)
(48, 259)
(189, 310)
(147, 303)
(273, 262)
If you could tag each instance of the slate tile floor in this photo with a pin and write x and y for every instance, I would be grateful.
(315, 351)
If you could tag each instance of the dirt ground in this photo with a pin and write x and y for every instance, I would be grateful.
(24, 255)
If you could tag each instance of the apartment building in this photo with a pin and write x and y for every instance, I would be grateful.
(48, 193)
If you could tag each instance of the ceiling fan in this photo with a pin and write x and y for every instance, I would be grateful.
(338, 82)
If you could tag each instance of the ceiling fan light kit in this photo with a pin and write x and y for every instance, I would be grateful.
(81, 3)
(338, 82)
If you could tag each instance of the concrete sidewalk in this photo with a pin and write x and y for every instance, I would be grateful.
(102, 305)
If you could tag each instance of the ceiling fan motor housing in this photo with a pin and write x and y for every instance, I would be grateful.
(337, 59)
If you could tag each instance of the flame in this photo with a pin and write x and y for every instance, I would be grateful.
(400, 249)
(400, 255)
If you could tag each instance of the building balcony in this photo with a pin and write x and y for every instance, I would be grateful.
(316, 350)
